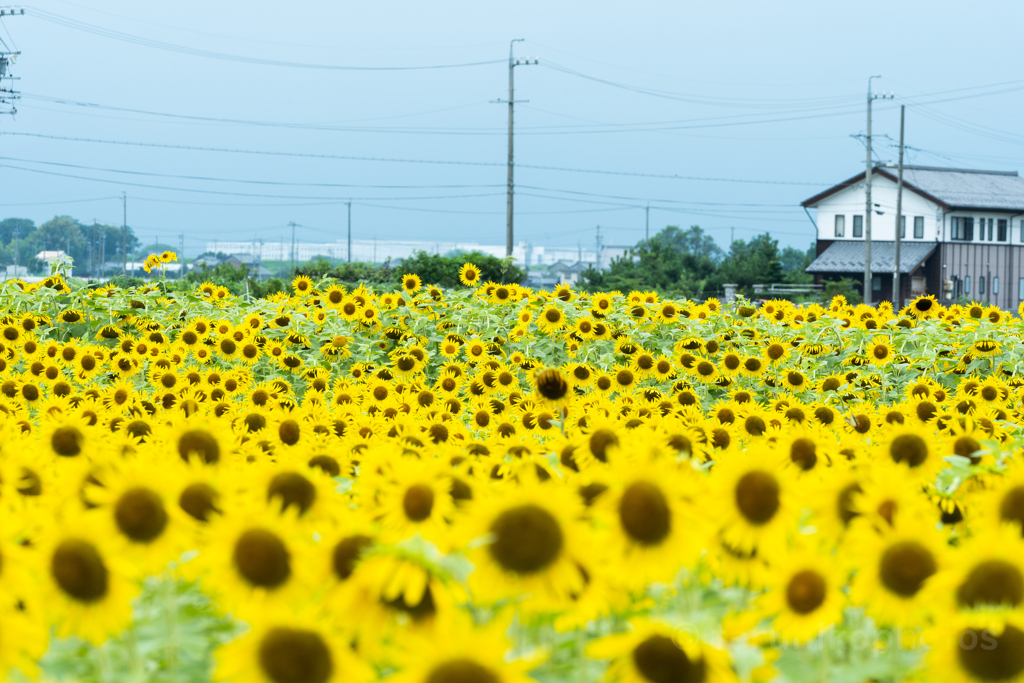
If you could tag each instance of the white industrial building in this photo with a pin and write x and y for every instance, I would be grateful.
(378, 251)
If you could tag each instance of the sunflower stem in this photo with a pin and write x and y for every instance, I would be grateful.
(134, 662)
(170, 617)
(581, 662)
(103, 663)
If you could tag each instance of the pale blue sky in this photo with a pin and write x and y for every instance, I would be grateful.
(741, 90)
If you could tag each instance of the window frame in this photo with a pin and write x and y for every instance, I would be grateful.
(840, 225)
(967, 284)
(995, 285)
(919, 227)
(858, 225)
(962, 229)
(981, 284)
(1002, 229)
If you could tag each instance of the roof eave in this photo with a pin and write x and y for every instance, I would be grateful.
(860, 177)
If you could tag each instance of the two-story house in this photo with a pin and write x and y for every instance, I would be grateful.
(961, 234)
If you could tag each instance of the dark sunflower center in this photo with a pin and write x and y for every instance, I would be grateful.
(660, 660)
(199, 500)
(67, 441)
(909, 448)
(289, 432)
(293, 489)
(805, 591)
(991, 657)
(262, 558)
(966, 447)
(905, 566)
(644, 513)
(199, 443)
(599, 442)
(418, 502)
(421, 610)
(289, 655)
(757, 496)
(527, 539)
(552, 385)
(844, 502)
(346, 553)
(79, 570)
(804, 453)
(993, 582)
(462, 671)
(776, 351)
(1011, 508)
(140, 514)
(754, 425)
(326, 464)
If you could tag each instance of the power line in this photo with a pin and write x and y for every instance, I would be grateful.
(233, 194)
(245, 181)
(666, 176)
(259, 61)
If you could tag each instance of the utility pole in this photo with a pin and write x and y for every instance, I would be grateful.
(868, 206)
(512, 64)
(124, 233)
(647, 223)
(896, 298)
(292, 226)
(349, 204)
(8, 96)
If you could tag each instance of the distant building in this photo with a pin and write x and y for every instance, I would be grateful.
(378, 251)
(962, 234)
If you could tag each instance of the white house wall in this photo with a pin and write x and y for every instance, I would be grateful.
(850, 202)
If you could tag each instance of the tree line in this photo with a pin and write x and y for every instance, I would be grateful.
(688, 263)
(89, 245)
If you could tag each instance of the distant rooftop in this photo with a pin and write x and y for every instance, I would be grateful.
(951, 188)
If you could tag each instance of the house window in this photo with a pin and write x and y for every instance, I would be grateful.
(918, 227)
(876, 283)
(858, 226)
(840, 226)
(995, 285)
(1020, 289)
(981, 229)
(967, 285)
(981, 284)
(963, 228)
(1001, 230)
(990, 229)
(903, 227)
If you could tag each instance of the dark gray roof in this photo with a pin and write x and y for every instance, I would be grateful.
(967, 189)
(952, 188)
(848, 257)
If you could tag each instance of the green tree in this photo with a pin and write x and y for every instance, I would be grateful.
(794, 261)
(674, 261)
(750, 263)
(60, 233)
(24, 227)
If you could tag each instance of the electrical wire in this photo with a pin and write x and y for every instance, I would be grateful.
(235, 194)
(245, 181)
(196, 52)
(667, 176)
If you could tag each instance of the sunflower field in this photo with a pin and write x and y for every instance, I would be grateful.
(499, 485)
